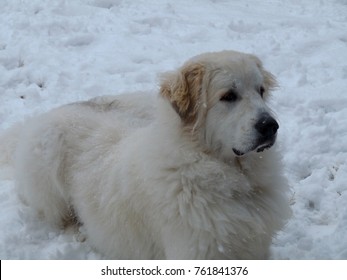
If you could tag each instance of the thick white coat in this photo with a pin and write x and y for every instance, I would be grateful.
(144, 184)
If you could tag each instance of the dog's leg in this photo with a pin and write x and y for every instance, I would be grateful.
(39, 169)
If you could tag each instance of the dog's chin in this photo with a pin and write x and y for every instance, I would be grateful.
(259, 147)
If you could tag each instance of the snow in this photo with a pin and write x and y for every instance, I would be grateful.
(58, 51)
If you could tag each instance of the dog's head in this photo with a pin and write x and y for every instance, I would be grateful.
(223, 98)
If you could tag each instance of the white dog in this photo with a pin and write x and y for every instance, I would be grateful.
(187, 175)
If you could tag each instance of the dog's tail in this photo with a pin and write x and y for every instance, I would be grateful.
(8, 144)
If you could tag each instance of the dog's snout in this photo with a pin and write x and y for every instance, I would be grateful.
(266, 125)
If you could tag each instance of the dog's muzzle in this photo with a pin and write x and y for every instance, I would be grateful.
(266, 128)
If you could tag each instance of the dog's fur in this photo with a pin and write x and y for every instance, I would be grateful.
(173, 177)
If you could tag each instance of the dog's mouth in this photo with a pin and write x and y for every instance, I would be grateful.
(264, 147)
(238, 152)
(260, 146)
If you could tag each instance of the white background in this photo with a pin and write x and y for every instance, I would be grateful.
(271, 270)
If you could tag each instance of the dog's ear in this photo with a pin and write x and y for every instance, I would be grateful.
(270, 82)
(183, 90)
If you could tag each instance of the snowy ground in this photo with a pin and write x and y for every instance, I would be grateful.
(58, 51)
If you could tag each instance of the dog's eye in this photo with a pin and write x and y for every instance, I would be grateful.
(229, 96)
(261, 91)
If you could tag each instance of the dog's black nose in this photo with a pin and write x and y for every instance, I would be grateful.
(266, 125)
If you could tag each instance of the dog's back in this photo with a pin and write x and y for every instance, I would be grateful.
(52, 143)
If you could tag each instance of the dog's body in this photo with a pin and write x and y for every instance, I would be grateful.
(175, 177)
